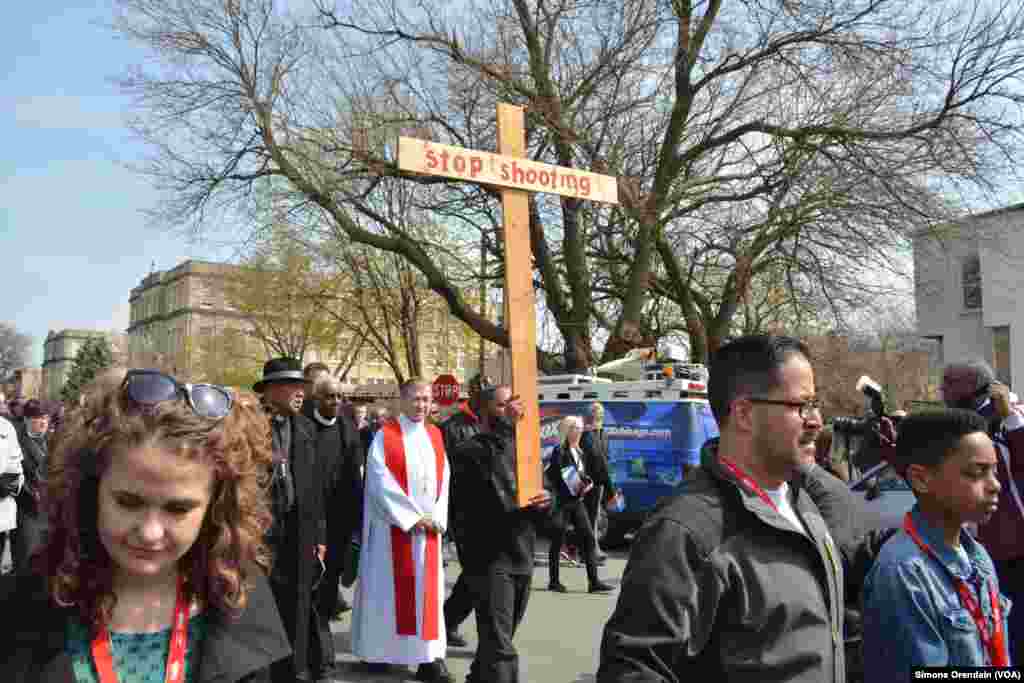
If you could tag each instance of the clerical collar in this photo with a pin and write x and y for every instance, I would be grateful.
(411, 424)
(323, 420)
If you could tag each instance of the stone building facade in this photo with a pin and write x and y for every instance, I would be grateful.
(59, 351)
(968, 279)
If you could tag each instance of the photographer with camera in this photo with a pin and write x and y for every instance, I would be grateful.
(972, 385)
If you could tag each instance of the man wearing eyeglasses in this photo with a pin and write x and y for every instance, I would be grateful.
(736, 577)
(339, 455)
(298, 534)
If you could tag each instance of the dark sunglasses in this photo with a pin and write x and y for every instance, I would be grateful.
(148, 388)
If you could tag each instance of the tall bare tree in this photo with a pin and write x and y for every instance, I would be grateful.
(14, 349)
(750, 139)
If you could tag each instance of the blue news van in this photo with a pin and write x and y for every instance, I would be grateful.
(655, 427)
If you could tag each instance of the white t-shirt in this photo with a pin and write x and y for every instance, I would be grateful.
(780, 497)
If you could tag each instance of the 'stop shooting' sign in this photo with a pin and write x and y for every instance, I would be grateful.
(431, 158)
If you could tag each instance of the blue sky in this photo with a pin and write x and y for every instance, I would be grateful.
(71, 233)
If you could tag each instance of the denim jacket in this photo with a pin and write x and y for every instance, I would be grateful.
(912, 612)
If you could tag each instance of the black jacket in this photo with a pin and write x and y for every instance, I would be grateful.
(461, 426)
(33, 464)
(233, 651)
(295, 567)
(594, 443)
(721, 586)
(496, 533)
(339, 452)
(561, 457)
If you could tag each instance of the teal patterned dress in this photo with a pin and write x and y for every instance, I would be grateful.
(138, 657)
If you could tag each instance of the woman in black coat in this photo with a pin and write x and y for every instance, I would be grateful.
(568, 479)
(155, 565)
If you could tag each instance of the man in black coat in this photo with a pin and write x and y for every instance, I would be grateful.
(30, 534)
(498, 538)
(339, 454)
(462, 426)
(594, 445)
(297, 536)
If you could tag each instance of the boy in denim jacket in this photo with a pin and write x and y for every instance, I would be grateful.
(932, 598)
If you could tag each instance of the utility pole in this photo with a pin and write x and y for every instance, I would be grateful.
(483, 296)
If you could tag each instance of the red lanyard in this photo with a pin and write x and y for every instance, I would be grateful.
(748, 481)
(994, 641)
(175, 671)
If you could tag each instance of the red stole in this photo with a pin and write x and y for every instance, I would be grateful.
(403, 565)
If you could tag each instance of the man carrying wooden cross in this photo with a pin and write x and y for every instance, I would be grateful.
(398, 618)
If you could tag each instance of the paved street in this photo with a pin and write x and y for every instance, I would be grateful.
(557, 641)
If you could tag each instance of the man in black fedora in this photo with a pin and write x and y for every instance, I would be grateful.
(297, 535)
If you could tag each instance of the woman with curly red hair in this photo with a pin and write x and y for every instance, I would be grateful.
(155, 565)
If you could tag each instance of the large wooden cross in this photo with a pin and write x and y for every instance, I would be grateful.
(517, 177)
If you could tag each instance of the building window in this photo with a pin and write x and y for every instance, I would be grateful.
(1001, 353)
(972, 282)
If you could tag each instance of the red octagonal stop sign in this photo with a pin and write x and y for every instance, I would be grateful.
(446, 390)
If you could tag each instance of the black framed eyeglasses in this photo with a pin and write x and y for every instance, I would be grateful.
(149, 388)
(806, 407)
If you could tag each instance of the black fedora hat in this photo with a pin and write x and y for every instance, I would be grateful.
(280, 370)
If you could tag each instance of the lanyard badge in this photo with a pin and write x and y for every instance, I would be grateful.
(748, 481)
(994, 640)
(174, 672)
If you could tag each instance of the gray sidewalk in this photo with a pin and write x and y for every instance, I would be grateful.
(558, 640)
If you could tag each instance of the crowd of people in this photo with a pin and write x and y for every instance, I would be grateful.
(188, 532)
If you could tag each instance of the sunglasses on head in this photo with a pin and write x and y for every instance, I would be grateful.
(149, 388)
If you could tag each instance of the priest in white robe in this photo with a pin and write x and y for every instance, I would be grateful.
(398, 616)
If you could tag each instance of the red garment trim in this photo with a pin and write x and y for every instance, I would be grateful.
(403, 565)
(431, 598)
(994, 641)
(403, 568)
(174, 669)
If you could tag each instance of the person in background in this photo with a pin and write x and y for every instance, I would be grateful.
(11, 481)
(594, 443)
(932, 598)
(154, 568)
(360, 416)
(33, 433)
(460, 427)
(298, 535)
(570, 491)
(972, 385)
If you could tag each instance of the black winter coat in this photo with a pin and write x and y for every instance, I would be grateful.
(594, 444)
(233, 651)
(33, 464)
(295, 565)
(561, 457)
(339, 452)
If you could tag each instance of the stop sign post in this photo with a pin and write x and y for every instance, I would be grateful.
(446, 390)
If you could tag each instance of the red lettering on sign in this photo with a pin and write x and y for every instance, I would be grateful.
(476, 164)
(431, 159)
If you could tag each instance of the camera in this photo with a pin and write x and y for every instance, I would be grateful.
(861, 434)
(862, 426)
(858, 426)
